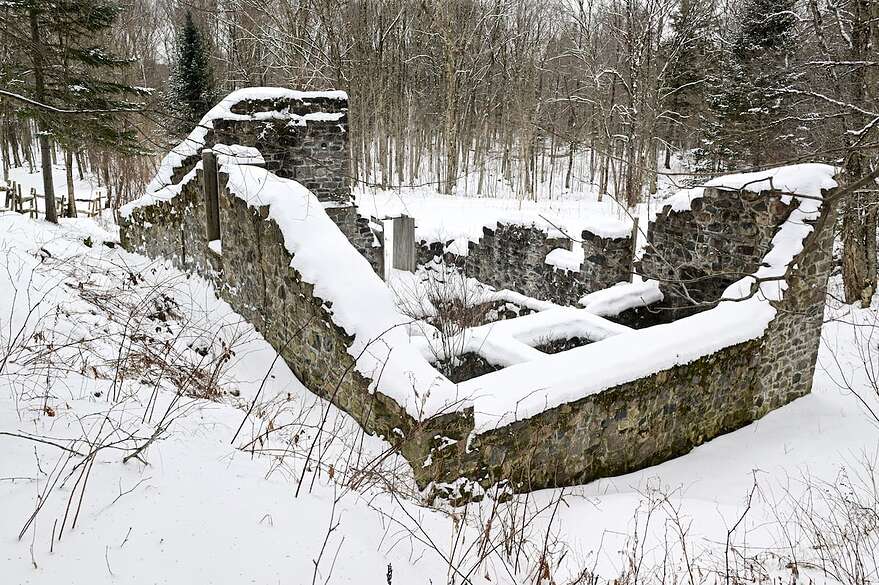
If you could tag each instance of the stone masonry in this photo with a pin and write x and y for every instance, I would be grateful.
(699, 252)
(658, 417)
(305, 140)
(301, 139)
(618, 430)
(514, 257)
(621, 429)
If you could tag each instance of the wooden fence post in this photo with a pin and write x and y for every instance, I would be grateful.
(10, 196)
(211, 194)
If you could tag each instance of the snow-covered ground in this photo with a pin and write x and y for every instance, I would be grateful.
(461, 216)
(442, 218)
(161, 489)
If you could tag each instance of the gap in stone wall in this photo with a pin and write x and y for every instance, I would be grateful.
(466, 367)
(560, 345)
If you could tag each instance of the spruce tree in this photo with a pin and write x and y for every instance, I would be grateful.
(692, 53)
(749, 111)
(191, 87)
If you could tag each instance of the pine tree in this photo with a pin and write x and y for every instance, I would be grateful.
(191, 87)
(748, 126)
(67, 86)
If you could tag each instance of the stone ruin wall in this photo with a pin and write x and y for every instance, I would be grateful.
(720, 239)
(694, 253)
(514, 257)
(619, 430)
(314, 153)
(655, 418)
(253, 274)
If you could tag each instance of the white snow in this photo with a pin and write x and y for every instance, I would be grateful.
(621, 296)
(300, 120)
(683, 199)
(512, 341)
(443, 218)
(237, 154)
(565, 259)
(806, 180)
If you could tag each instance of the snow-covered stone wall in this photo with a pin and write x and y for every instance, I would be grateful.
(661, 415)
(606, 408)
(517, 257)
(253, 271)
(301, 138)
(626, 399)
(697, 250)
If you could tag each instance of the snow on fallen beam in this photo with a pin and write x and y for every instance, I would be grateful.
(161, 187)
(527, 389)
(509, 342)
(624, 295)
(361, 303)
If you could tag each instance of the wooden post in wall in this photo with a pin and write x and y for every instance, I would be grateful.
(398, 238)
(404, 243)
(211, 194)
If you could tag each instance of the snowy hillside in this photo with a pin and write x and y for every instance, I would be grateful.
(149, 435)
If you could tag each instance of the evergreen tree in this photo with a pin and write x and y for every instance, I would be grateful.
(191, 87)
(692, 53)
(749, 112)
(67, 85)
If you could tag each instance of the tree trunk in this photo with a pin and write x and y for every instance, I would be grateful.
(40, 95)
(68, 170)
(859, 218)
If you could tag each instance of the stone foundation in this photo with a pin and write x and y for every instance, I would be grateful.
(645, 421)
(615, 431)
(697, 253)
